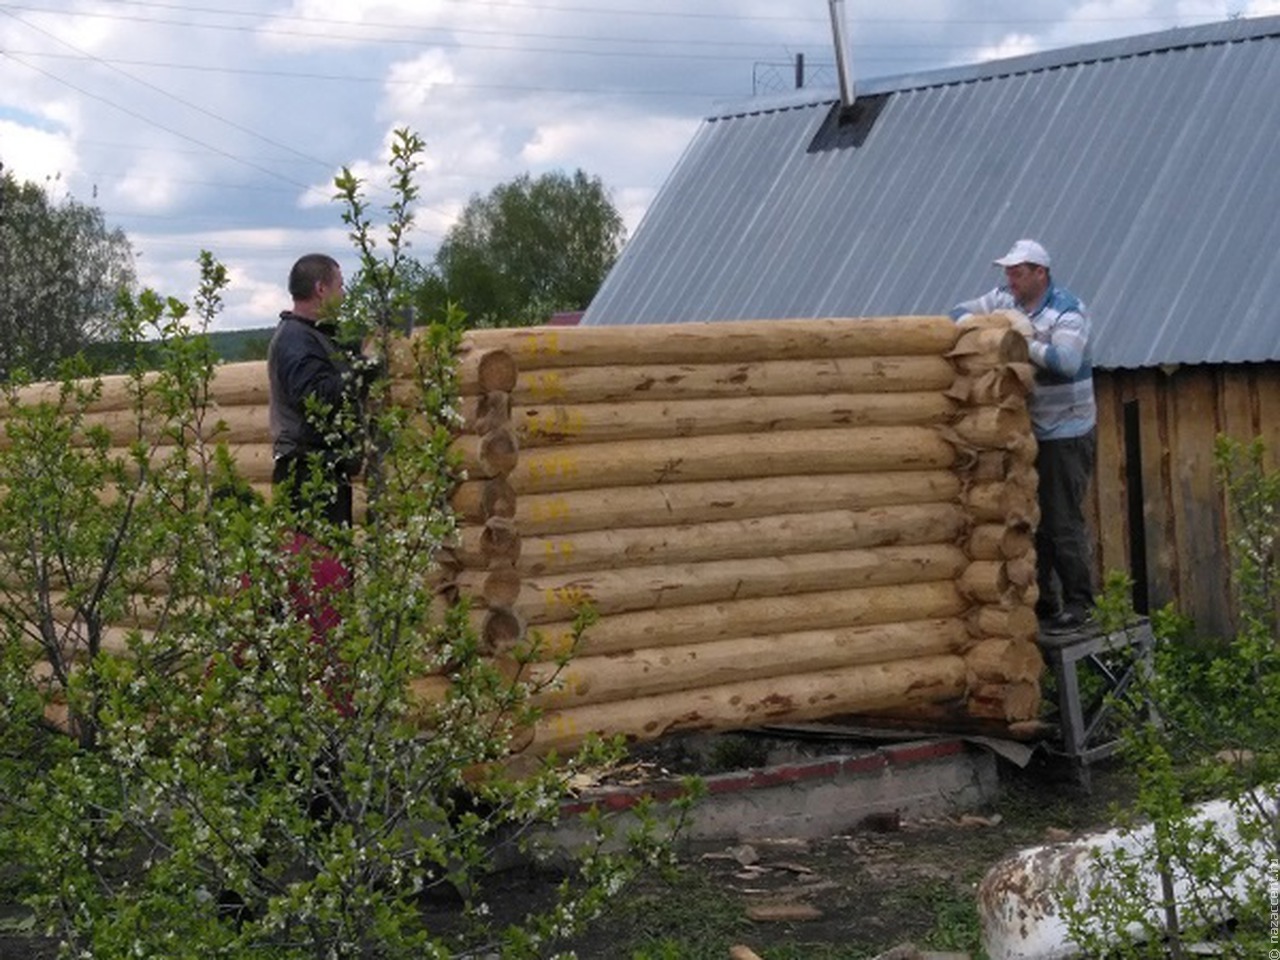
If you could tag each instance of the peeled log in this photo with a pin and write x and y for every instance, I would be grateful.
(1002, 346)
(552, 598)
(832, 609)
(984, 581)
(232, 385)
(997, 621)
(480, 368)
(493, 455)
(995, 541)
(988, 427)
(644, 673)
(1004, 660)
(639, 379)
(497, 541)
(479, 500)
(1008, 702)
(553, 424)
(486, 412)
(728, 539)
(220, 424)
(639, 462)
(1005, 503)
(677, 503)
(734, 341)
(808, 696)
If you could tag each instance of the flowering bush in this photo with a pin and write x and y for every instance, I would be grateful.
(249, 771)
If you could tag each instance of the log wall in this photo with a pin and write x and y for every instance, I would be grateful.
(774, 520)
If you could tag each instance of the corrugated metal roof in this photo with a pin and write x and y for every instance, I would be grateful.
(1149, 167)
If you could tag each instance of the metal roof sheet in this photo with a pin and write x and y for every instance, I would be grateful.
(1148, 166)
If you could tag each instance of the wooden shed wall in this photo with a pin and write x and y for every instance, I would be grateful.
(1157, 507)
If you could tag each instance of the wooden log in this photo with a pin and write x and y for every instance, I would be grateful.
(556, 424)
(739, 341)
(993, 620)
(751, 703)
(831, 609)
(639, 462)
(1021, 571)
(1000, 346)
(992, 427)
(232, 385)
(677, 503)
(984, 581)
(643, 673)
(729, 539)
(495, 454)
(479, 500)
(996, 541)
(1004, 384)
(496, 541)
(480, 368)
(640, 379)
(218, 424)
(991, 466)
(1004, 503)
(1007, 702)
(550, 598)
(486, 412)
(1004, 660)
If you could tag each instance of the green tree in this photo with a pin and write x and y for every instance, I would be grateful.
(61, 269)
(235, 786)
(528, 249)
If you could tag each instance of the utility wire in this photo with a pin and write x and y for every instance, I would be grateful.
(389, 81)
(172, 96)
(155, 123)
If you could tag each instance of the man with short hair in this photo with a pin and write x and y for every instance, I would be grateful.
(312, 383)
(1063, 419)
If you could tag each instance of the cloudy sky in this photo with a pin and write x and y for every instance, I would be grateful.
(220, 124)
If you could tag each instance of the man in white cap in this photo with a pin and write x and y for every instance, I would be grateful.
(1063, 419)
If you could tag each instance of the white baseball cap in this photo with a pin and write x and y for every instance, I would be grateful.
(1024, 251)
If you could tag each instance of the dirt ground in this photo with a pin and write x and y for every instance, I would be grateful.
(855, 895)
(843, 897)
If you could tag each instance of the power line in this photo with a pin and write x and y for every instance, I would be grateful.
(650, 12)
(154, 123)
(172, 96)
(351, 78)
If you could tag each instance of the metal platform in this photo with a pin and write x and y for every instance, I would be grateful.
(1117, 660)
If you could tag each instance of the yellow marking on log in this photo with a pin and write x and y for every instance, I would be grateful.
(562, 727)
(545, 344)
(559, 423)
(570, 595)
(548, 385)
(558, 466)
(558, 549)
(544, 510)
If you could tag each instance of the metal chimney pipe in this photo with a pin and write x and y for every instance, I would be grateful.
(843, 71)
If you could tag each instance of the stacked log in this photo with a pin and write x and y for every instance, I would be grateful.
(771, 519)
(1003, 664)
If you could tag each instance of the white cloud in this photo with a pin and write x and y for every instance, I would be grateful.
(33, 154)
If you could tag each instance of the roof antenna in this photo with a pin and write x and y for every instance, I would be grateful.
(847, 92)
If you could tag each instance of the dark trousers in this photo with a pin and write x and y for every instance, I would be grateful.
(289, 477)
(1064, 563)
